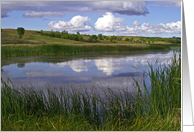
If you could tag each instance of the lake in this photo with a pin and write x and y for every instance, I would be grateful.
(113, 70)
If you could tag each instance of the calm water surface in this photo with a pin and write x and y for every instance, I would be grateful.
(111, 70)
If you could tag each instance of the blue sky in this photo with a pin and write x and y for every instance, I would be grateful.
(133, 18)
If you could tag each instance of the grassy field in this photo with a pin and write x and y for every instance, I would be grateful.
(76, 108)
(10, 36)
(33, 43)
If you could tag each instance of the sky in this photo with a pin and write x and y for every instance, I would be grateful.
(126, 18)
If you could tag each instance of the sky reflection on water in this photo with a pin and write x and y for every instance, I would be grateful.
(115, 71)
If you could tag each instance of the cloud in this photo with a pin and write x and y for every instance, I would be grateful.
(120, 7)
(108, 66)
(45, 19)
(167, 4)
(76, 65)
(109, 23)
(138, 61)
(113, 25)
(3, 15)
(146, 28)
(135, 23)
(77, 23)
(35, 14)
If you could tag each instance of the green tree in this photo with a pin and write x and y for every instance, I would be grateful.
(153, 41)
(132, 39)
(41, 31)
(93, 38)
(78, 33)
(98, 39)
(127, 39)
(20, 31)
(65, 32)
(144, 40)
(100, 36)
(148, 41)
(112, 38)
(80, 38)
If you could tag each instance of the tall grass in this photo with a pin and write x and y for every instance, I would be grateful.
(81, 109)
(54, 49)
(165, 95)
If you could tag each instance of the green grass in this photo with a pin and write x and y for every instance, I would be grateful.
(77, 108)
(32, 43)
(56, 49)
(10, 36)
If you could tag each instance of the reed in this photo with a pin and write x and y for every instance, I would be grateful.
(57, 49)
(74, 108)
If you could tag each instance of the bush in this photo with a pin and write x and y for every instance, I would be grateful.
(93, 38)
(112, 38)
(127, 39)
(100, 36)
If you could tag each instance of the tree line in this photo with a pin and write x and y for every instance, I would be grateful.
(96, 38)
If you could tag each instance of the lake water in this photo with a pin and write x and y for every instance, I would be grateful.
(114, 70)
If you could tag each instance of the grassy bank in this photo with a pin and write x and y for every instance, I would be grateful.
(54, 49)
(35, 43)
(10, 36)
(80, 109)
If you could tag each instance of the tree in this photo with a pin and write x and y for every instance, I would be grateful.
(64, 32)
(144, 40)
(20, 31)
(78, 33)
(148, 41)
(112, 38)
(100, 36)
(132, 39)
(80, 38)
(127, 39)
(153, 41)
(93, 38)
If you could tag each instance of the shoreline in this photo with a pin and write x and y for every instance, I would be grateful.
(59, 49)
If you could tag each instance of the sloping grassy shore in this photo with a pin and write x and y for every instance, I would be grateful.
(33, 43)
(10, 36)
(76, 108)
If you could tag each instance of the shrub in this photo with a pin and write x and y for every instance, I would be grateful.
(127, 39)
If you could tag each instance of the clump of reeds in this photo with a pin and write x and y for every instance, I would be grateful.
(165, 89)
(57, 49)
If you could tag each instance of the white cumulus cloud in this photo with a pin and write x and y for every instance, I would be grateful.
(76, 65)
(109, 23)
(108, 66)
(135, 23)
(145, 28)
(112, 25)
(77, 23)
